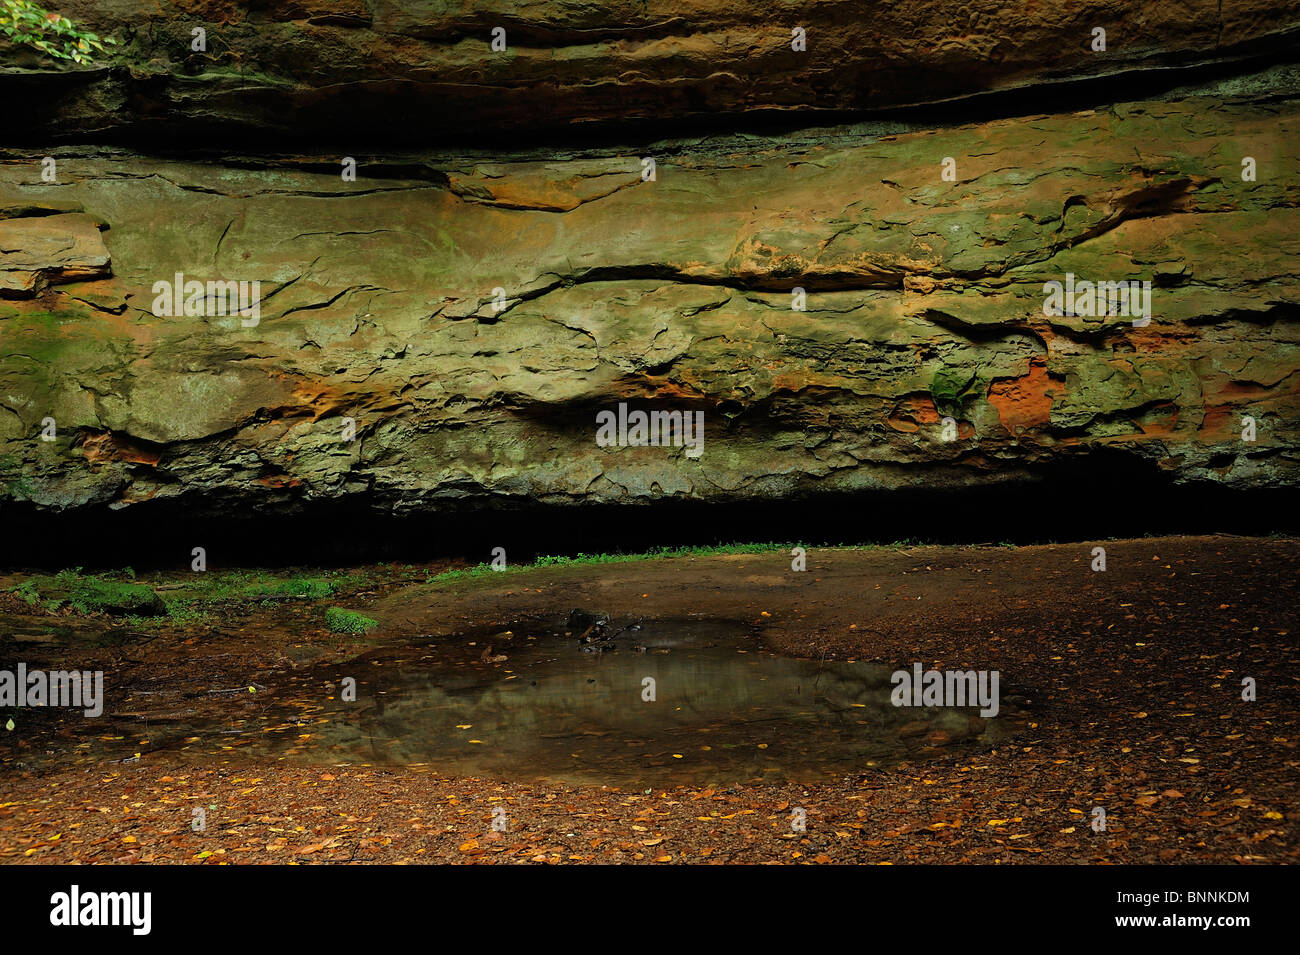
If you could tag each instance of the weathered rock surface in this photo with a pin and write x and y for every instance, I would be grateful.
(364, 72)
(924, 298)
(46, 248)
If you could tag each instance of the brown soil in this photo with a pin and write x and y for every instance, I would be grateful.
(1134, 678)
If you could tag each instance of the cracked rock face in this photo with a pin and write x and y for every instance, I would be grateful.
(427, 72)
(45, 247)
(470, 317)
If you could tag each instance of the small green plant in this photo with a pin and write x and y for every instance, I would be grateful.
(28, 592)
(88, 594)
(348, 621)
(181, 613)
(28, 24)
(311, 588)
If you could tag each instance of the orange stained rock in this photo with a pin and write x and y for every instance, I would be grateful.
(912, 412)
(1024, 403)
(107, 447)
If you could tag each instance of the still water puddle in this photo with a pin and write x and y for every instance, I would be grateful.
(18, 637)
(669, 702)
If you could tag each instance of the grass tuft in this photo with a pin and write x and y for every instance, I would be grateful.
(348, 621)
(580, 560)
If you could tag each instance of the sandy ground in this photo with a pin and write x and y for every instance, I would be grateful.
(1134, 678)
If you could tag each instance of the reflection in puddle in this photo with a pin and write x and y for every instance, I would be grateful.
(73, 634)
(670, 702)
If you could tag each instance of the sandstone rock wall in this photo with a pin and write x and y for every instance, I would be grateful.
(425, 72)
(470, 312)
(924, 298)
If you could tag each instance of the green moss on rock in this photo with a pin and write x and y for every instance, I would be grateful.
(88, 594)
(348, 621)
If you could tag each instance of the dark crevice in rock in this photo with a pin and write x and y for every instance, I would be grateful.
(171, 111)
(236, 531)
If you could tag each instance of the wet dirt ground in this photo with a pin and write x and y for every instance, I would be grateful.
(1123, 689)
